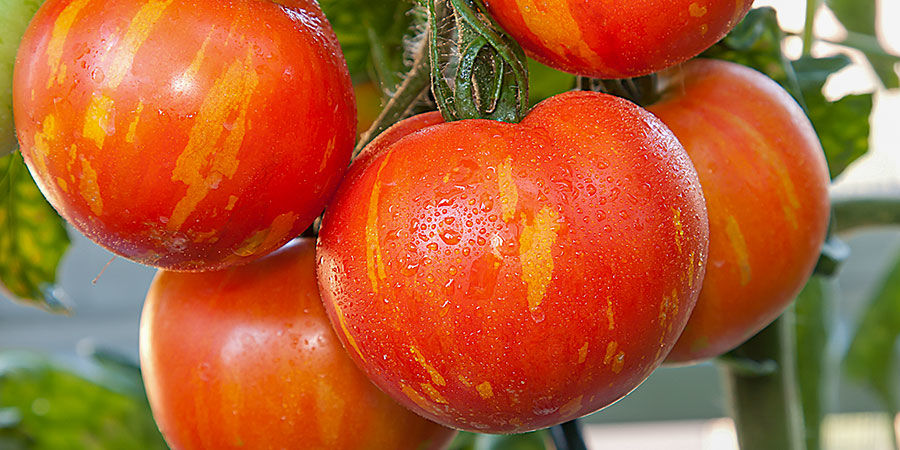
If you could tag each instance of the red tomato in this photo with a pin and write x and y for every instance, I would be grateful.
(616, 39)
(246, 358)
(502, 278)
(189, 135)
(765, 180)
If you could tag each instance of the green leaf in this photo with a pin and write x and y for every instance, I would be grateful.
(32, 237)
(368, 28)
(872, 356)
(843, 128)
(756, 42)
(812, 73)
(14, 18)
(67, 405)
(859, 18)
(843, 125)
(474, 441)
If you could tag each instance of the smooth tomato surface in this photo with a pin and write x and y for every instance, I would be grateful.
(503, 278)
(616, 39)
(246, 358)
(189, 135)
(765, 181)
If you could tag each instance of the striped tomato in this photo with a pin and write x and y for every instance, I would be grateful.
(507, 277)
(614, 38)
(184, 134)
(246, 358)
(766, 185)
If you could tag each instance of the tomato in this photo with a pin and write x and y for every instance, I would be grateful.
(615, 39)
(765, 180)
(188, 135)
(15, 17)
(503, 277)
(246, 358)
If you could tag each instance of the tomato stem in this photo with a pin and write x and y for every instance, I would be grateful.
(568, 436)
(401, 103)
(808, 27)
(765, 406)
(486, 67)
(815, 368)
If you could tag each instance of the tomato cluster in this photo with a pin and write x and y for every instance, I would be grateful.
(485, 276)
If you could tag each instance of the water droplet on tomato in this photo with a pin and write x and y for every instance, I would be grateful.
(204, 371)
(450, 237)
(97, 75)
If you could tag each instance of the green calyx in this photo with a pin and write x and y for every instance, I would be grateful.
(479, 72)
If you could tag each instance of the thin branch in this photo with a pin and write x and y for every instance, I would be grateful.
(416, 82)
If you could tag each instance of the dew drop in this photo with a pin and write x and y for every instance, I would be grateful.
(450, 237)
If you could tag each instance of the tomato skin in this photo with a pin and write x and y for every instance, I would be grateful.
(765, 180)
(184, 135)
(246, 358)
(503, 278)
(606, 39)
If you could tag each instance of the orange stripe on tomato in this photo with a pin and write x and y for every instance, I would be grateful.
(99, 121)
(435, 375)
(204, 162)
(736, 238)
(374, 258)
(790, 202)
(89, 188)
(58, 36)
(552, 22)
(122, 56)
(536, 244)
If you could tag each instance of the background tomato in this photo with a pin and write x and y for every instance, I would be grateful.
(246, 358)
(503, 278)
(615, 39)
(15, 17)
(765, 181)
(186, 135)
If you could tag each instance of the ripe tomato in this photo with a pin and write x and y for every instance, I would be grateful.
(246, 358)
(615, 39)
(188, 135)
(765, 180)
(502, 278)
